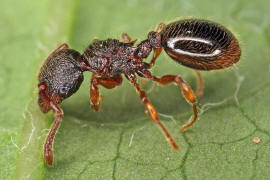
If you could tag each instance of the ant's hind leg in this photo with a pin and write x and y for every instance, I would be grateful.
(158, 50)
(108, 83)
(160, 27)
(200, 84)
(51, 103)
(186, 92)
(155, 55)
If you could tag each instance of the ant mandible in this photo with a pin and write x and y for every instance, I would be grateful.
(196, 43)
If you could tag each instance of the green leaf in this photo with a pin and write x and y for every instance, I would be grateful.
(120, 142)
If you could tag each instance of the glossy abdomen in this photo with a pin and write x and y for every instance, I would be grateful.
(200, 44)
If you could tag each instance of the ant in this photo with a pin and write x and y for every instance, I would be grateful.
(195, 43)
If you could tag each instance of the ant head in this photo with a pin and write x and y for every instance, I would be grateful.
(154, 39)
(62, 73)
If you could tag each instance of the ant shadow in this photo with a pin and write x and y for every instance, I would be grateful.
(122, 104)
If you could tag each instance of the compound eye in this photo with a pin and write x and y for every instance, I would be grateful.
(64, 90)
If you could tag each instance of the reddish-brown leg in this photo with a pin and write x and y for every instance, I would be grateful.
(143, 82)
(95, 40)
(200, 86)
(160, 27)
(156, 51)
(186, 91)
(155, 55)
(51, 101)
(127, 39)
(108, 83)
(152, 113)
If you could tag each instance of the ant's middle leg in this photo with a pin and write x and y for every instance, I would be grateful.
(152, 113)
(108, 83)
(127, 39)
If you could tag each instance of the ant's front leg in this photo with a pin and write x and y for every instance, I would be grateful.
(46, 103)
(152, 113)
(108, 83)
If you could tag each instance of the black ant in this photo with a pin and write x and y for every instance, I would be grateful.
(196, 43)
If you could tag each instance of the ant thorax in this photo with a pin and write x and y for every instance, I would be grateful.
(111, 57)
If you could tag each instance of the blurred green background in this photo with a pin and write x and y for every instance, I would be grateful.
(120, 142)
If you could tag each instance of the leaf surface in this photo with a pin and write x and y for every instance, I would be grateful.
(120, 142)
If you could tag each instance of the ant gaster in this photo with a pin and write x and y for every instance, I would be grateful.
(196, 43)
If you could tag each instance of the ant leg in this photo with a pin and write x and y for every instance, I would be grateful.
(152, 113)
(152, 62)
(155, 55)
(200, 84)
(108, 83)
(58, 113)
(186, 91)
(160, 27)
(158, 50)
(127, 39)
(95, 40)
